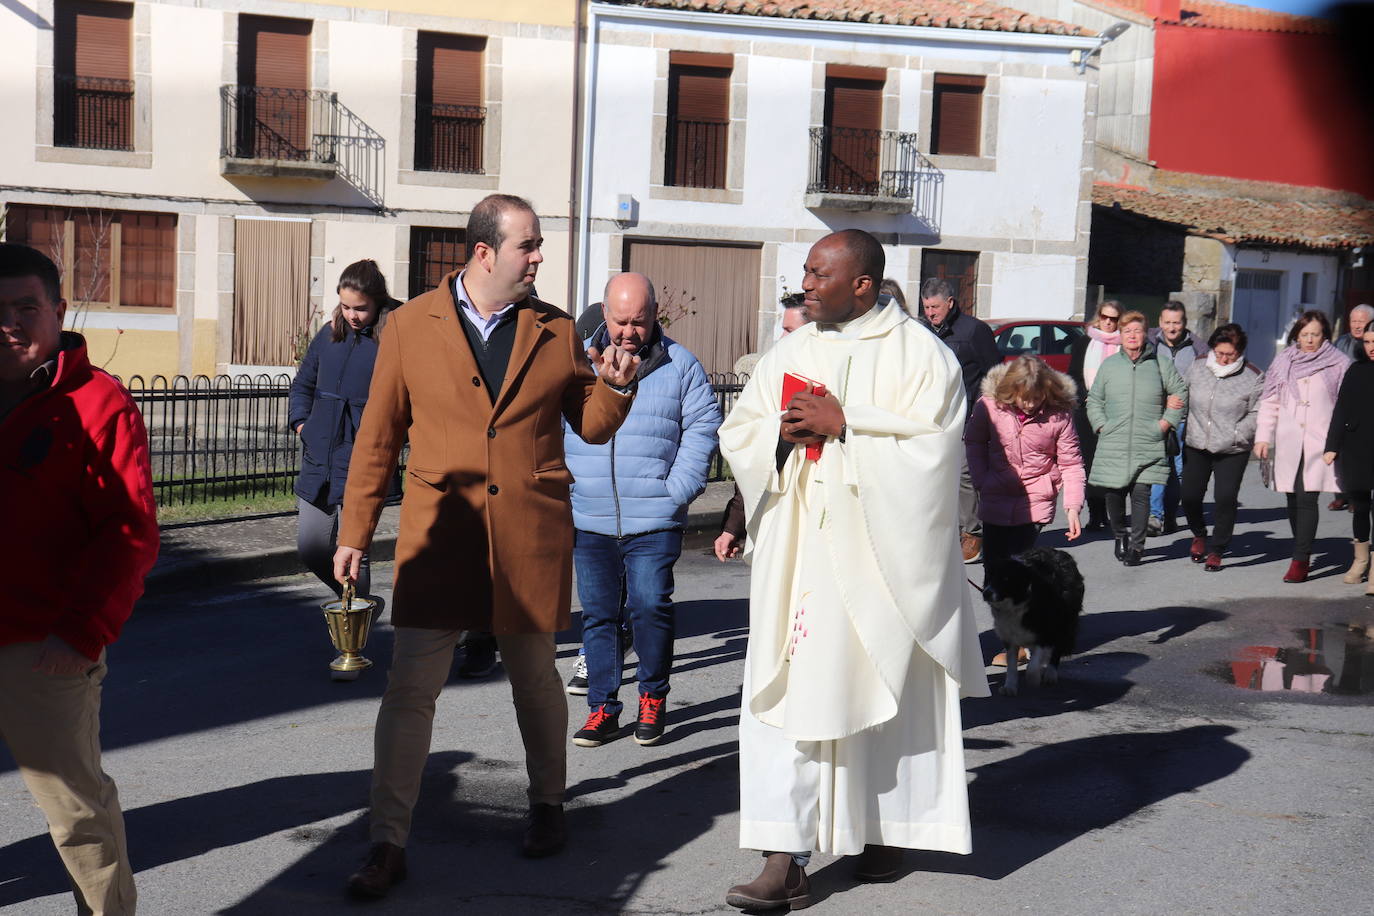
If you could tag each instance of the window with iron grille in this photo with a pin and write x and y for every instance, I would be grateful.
(434, 253)
(851, 158)
(109, 258)
(960, 268)
(450, 119)
(93, 89)
(956, 126)
(698, 119)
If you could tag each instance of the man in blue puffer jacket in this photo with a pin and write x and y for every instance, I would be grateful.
(629, 502)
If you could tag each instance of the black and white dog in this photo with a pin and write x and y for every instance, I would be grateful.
(1036, 599)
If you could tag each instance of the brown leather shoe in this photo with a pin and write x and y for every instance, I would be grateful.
(878, 863)
(385, 868)
(782, 883)
(971, 546)
(546, 833)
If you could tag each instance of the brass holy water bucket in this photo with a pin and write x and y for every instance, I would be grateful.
(349, 620)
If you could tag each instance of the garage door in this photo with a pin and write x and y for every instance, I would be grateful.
(1256, 308)
(717, 285)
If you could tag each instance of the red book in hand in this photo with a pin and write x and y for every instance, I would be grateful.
(792, 385)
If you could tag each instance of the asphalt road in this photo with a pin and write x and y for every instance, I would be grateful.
(1145, 782)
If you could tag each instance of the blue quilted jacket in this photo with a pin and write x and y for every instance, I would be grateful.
(656, 463)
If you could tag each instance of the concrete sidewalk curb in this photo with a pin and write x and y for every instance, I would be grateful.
(195, 558)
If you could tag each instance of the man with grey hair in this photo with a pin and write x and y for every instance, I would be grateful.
(629, 502)
(976, 349)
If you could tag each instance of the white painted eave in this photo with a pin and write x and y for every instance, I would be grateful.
(741, 22)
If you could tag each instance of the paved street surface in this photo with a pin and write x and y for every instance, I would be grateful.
(1146, 782)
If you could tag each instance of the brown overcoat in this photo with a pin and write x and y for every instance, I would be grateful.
(486, 525)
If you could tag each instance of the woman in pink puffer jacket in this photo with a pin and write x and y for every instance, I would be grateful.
(1022, 450)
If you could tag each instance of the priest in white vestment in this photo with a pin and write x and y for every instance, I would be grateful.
(862, 637)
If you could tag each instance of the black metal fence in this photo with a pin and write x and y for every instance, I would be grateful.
(449, 138)
(727, 386)
(93, 112)
(865, 163)
(226, 438)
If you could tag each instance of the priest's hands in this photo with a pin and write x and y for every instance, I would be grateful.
(809, 418)
(615, 365)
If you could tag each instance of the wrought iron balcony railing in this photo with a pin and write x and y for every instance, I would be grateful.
(866, 163)
(261, 126)
(93, 112)
(696, 154)
(449, 138)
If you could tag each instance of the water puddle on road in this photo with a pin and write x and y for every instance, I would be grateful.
(1337, 659)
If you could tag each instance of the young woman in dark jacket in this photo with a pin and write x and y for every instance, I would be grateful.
(327, 400)
(1350, 444)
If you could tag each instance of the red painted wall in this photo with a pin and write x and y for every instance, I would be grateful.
(1267, 106)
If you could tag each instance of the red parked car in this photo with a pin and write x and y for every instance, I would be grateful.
(1049, 339)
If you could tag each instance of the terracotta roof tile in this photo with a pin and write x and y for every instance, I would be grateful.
(1216, 14)
(1301, 223)
(948, 14)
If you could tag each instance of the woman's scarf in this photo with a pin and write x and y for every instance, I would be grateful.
(1227, 370)
(1101, 345)
(1294, 363)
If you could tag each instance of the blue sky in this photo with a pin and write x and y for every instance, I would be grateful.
(1301, 7)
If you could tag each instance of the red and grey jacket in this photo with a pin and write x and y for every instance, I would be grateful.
(80, 530)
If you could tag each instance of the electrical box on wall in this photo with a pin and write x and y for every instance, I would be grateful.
(626, 209)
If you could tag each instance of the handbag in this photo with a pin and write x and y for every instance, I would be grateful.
(1171, 444)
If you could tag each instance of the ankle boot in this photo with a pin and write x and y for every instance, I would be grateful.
(1297, 571)
(1121, 547)
(781, 883)
(1360, 566)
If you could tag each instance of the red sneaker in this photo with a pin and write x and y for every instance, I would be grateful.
(1198, 549)
(1213, 562)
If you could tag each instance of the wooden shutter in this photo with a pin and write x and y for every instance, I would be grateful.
(698, 119)
(274, 73)
(434, 253)
(450, 119)
(93, 102)
(957, 118)
(853, 118)
(147, 258)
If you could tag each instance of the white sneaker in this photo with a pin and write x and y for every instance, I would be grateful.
(577, 684)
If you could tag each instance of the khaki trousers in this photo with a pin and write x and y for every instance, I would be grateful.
(420, 664)
(52, 727)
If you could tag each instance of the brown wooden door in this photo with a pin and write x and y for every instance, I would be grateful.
(709, 293)
(274, 81)
(854, 116)
(960, 268)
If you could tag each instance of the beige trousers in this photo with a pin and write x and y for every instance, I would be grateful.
(52, 727)
(420, 664)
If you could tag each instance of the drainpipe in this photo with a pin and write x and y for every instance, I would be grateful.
(574, 199)
(587, 132)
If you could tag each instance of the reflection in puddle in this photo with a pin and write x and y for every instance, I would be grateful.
(1336, 659)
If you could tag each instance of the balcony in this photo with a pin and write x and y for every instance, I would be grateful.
(875, 170)
(449, 138)
(696, 154)
(93, 113)
(299, 133)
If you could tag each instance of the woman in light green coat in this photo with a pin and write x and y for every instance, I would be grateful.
(1134, 401)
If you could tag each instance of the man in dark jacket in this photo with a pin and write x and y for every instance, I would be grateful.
(81, 534)
(976, 349)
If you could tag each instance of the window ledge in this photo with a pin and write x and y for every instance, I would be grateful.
(965, 163)
(429, 179)
(80, 155)
(699, 195)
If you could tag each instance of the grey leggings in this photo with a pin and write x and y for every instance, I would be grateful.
(316, 533)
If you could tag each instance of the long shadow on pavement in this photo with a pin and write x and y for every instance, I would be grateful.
(463, 848)
(1026, 807)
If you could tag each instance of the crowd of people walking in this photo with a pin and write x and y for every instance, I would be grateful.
(538, 446)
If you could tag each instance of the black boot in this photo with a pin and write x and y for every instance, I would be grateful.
(1120, 548)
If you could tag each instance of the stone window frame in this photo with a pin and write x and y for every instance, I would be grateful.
(490, 179)
(986, 161)
(141, 156)
(892, 89)
(733, 192)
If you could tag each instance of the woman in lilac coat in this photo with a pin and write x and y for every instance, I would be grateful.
(1022, 450)
(1295, 411)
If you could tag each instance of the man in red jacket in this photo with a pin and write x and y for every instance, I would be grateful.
(80, 535)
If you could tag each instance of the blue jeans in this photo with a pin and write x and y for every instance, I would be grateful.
(639, 568)
(1164, 496)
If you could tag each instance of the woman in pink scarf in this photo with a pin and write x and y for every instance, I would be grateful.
(1295, 410)
(1085, 357)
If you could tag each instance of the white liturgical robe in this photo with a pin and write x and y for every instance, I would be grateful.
(862, 636)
